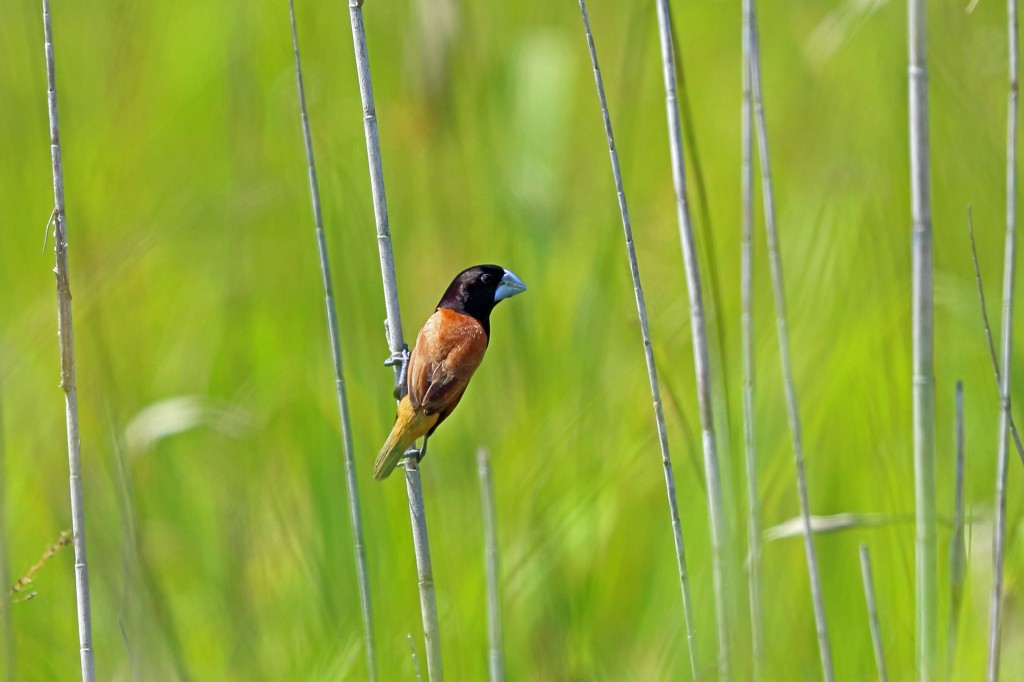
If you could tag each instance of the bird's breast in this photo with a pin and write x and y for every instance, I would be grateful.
(453, 339)
(448, 350)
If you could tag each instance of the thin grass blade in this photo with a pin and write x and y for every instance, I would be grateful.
(925, 552)
(65, 334)
(779, 291)
(495, 653)
(1009, 263)
(698, 330)
(747, 331)
(869, 597)
(645, 332)
(957, 546)
(351, 482)
(414, 489)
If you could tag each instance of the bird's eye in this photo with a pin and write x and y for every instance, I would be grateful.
(486, 278)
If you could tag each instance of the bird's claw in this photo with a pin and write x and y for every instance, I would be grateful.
(400, 358)
(413, 454)
(416, 452)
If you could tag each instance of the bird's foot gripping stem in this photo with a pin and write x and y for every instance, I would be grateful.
(415, 453)
(401, 359)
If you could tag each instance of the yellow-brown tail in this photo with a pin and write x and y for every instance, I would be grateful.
(409, 425)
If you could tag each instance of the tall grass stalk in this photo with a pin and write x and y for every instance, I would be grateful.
(869, 597)
(65, 334)
(645, 332)
(957, 547)
(779, 290)
(417, 513)
(380, 203)
(6, 626)
(495, 654)
(698, 331)
(718, 356)
(925, 550)
(988, 331)
(424, 571)
(1009, 262)
(351, 481)
(747, 330)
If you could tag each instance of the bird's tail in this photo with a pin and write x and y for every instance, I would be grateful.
(409, 425)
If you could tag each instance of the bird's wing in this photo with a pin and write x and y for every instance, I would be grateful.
(418, 374)
(448, 350)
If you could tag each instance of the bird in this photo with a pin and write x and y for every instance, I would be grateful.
(447, 352)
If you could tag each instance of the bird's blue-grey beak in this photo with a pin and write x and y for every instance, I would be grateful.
(509, 286)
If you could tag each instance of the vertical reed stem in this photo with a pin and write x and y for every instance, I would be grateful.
(417, 513)
(495, 655)
(652, 375)
(1009, 262)
(926, 587)
(869, 597)
(747, 324)
(717, 353)
(355, 514)
(380, 204)
(65, 335)
(700, 344)
(957, 549)
(779, 291)
(988, 331)
(424, 572)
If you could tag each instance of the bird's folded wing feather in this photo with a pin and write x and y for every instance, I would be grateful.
(448, 350)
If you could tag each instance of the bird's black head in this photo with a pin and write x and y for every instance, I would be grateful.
(476, 290)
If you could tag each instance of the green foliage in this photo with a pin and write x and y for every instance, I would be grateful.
(227, 554)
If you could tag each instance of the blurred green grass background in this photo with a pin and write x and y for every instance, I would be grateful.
(218, 535)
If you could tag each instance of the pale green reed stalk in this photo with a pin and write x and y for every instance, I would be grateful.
(351, 482)
(957, 547)
(495, 653)
(988, 330)
(716, 508)
(1009, 262)
(645, 332)
(781, 321)
(414, 490)
(925, 550)
(869, 598)
(65, 335)
(747, 331)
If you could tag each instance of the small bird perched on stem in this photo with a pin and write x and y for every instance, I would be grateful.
(448, 350)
